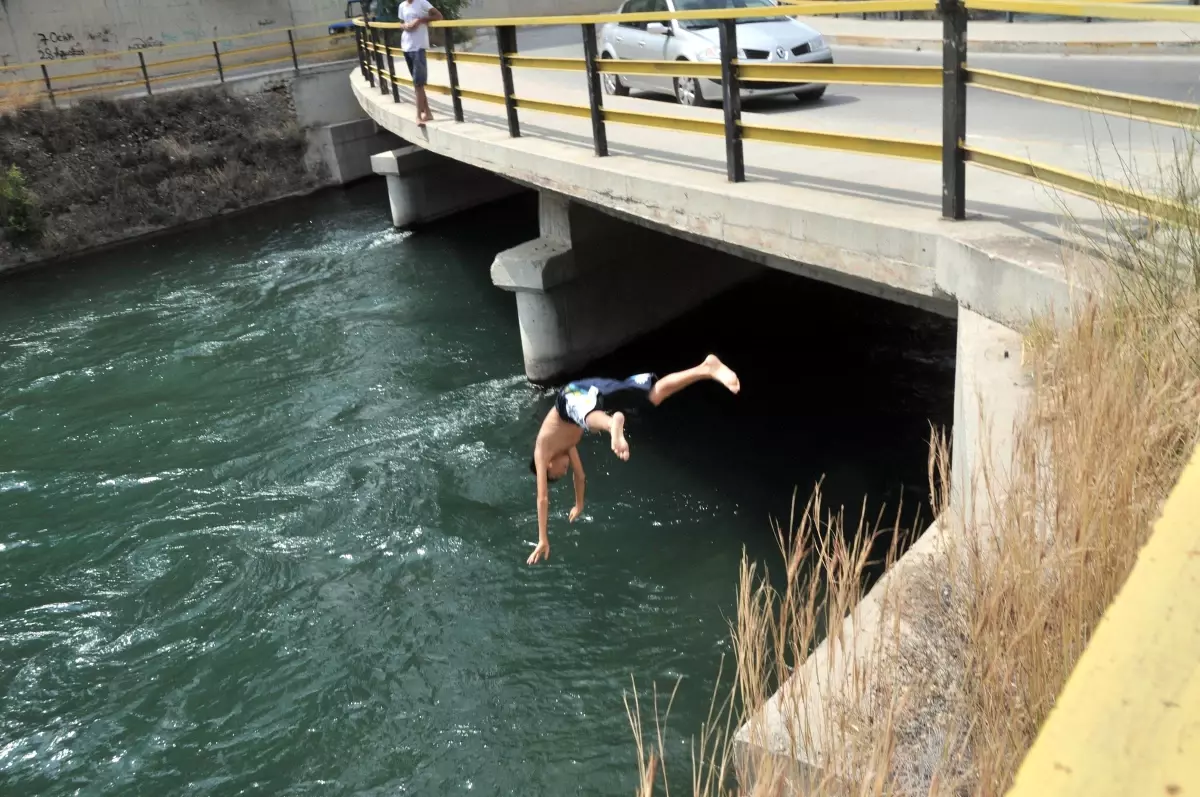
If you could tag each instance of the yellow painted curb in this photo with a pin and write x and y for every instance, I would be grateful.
(1032, 47)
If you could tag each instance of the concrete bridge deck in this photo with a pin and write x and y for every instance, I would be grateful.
(867, 222)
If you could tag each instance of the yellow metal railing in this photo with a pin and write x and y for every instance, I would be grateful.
(378, 57)
(1136, 10)
(160, 65)
(1128, 720)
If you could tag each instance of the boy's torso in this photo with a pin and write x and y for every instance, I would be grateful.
(558, 436)
(417, 39)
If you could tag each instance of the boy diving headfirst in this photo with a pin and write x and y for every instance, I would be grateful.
(581, 406)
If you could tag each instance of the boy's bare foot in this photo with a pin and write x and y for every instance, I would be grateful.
(620, 445)
(722, 373)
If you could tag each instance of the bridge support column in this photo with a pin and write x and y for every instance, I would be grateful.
(592, 283)
(990, 390)
(424, 187)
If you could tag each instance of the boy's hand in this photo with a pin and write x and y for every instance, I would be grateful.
(576, 511)
(542, 550)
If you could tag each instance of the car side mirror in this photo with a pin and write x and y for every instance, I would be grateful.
(659, 27)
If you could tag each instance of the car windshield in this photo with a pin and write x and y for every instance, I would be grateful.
(713, 5)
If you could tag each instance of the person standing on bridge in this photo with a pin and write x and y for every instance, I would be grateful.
(580, 407)
(415, 16)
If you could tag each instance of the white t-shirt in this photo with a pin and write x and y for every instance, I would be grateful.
(418, 39)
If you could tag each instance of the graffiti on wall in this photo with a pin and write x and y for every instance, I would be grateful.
(58, 45)
(103, 36)
(145, 43)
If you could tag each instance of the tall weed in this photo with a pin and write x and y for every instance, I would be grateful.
(939, 682)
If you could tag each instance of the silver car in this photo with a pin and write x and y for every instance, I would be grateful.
(767, 39)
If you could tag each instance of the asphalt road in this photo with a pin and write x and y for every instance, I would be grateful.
(992, 118)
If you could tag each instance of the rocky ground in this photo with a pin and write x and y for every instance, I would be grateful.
(104, 170)
(930, 728)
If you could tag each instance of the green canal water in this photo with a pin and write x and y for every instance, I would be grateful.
(265, 507)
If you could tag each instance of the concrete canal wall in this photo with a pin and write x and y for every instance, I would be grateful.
(51, 32)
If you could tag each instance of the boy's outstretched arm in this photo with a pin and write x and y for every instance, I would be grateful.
(578, 478)
(542, 551)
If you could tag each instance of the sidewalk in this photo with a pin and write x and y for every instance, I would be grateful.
(1066, 38)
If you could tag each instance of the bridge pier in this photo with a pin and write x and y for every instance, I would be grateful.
(424, 187)
(990, 391)
(591, 283)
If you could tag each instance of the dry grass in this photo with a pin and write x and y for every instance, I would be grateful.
(969, 646)
(18, 94)
(776, 629)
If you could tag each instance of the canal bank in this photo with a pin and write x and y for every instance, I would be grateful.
(103, 172)
(272, 478)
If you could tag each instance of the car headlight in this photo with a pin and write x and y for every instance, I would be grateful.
(817, 44)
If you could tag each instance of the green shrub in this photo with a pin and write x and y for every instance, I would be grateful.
(451, 9)
(20, 216)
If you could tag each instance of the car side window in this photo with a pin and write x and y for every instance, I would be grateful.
(660, 5)
(635, 7)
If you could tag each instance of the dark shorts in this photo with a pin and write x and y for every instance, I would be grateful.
(416, 66)
(584, 396)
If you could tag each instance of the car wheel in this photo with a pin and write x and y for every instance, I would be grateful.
(687, 92)
(612, 82)
(811, 96)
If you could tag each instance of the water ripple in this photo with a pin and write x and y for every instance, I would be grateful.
(264, 510)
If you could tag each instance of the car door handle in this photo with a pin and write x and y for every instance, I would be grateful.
(641, 44)
(620, 39)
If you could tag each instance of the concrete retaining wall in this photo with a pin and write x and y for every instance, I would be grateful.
(536, 8)
(53, 32)
(341, 137)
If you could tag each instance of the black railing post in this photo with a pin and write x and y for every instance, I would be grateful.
(359, 42)
(377, 60)
(380, 58)
(369, 51)
(452, 70)
(731, 100)
(49, 88)
(391, 61)
(595, 96)
(292, 44)
(506, 43)
(217, 55)
(954, 108)
(145, 74)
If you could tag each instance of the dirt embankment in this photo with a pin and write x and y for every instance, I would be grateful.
(105, 171)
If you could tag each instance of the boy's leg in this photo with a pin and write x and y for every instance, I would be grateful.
(422, 96)
(418, 71)
(614, 426)
(712, 368)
